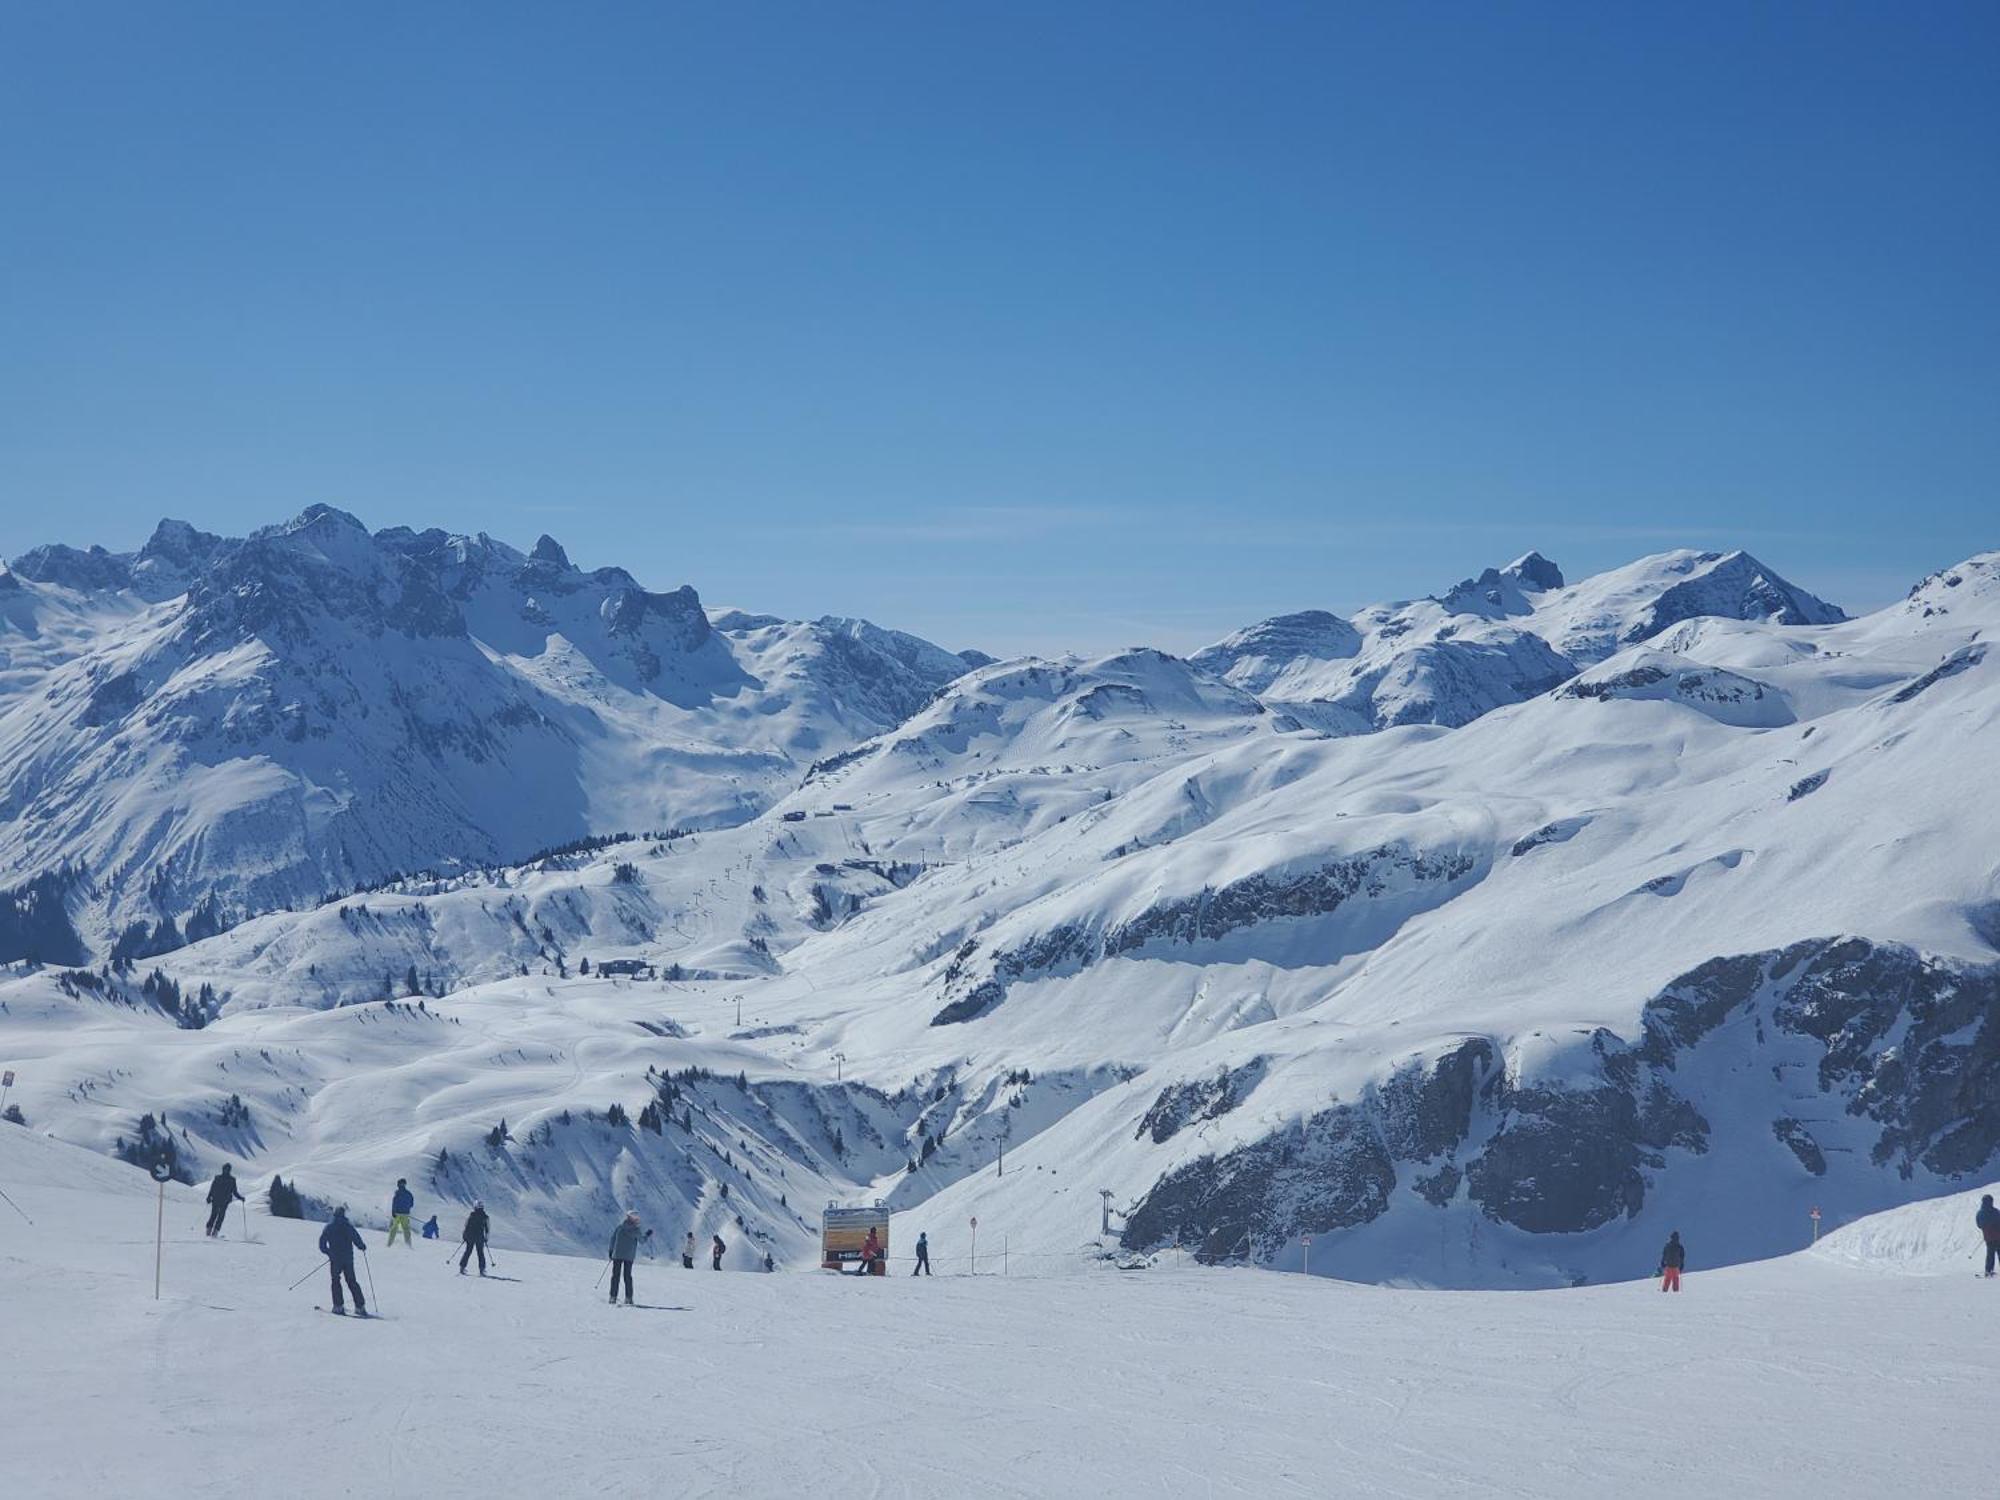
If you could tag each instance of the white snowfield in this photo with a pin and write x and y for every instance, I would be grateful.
(1803, 1376)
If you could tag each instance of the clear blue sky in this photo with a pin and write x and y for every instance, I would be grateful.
(1020, 325)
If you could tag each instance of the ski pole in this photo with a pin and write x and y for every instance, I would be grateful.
(18, 1209)
(244, 1205)
(602, 1274)
(370, 1268)
(302, 1280)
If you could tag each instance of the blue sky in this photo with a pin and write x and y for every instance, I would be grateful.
(1023, 326)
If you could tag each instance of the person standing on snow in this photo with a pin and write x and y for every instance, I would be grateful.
(1988, 1220)
(625, 1242)
(430, 1230)
(716, 1251)
(222, 1192)
(1673, 1256)
(338, 1242)
(399, 1213)
(923, 1256)
(475, 1238)
(687, 1252)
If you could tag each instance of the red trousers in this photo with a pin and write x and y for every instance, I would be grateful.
(1670, 1278)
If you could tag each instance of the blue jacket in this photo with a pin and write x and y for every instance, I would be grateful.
(403, 1202)
(625, 1241)
(1988, 1220)
(338, 1242)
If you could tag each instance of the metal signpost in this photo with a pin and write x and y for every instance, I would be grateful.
(161, 1173)
(975, 1245)
(1309, 1255)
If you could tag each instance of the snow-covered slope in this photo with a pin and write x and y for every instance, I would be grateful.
(210, 728)
(1704, 934)
(1157, 1382)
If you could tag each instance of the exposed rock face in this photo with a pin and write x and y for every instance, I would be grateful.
(1564, 1160)
(1333, 1173)
(1204, 917)
(1182, 1104)
(1908, 1043)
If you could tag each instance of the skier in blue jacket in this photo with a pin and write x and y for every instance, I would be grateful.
(1988, 1220)
(625, 1242)
(400, 1208)
(338, 1242)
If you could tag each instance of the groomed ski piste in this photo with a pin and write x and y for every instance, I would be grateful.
(1861, 1367)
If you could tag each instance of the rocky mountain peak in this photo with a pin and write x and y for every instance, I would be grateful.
(1533, 571)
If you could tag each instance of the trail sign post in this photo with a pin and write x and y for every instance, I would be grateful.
(161, 1172)
(974, 1259)
(1815, 1219)
(6, 1083)
(1309, 1255)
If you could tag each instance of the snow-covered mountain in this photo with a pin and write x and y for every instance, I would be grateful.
(209, 728)
(1702, 932)
(1499, 638)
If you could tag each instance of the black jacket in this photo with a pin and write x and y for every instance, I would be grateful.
(338, 1242)
(1674, 1254)
(475, 1227)
(1988, 1220)
(223, 1189)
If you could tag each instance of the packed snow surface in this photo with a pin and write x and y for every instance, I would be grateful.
(1796, 1377)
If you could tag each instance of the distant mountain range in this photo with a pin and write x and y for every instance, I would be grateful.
(1482, 937)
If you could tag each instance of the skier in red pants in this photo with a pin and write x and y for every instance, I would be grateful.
(1672, 1258)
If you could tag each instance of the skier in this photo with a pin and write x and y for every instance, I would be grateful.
(871, 1254)
(625, 1242)
(923, 1256)
(430, 1230)
(1988, 1220)
(716, 1250)
(1673, 1256)
(399, 1213)
(769, 1263)
(338, 1242)
(221, 1193)
(687, 1252)
(474, 1237)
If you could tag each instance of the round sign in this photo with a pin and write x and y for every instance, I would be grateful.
(975, 1221)
(162, 1172)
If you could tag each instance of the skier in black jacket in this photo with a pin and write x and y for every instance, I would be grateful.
(475, 1238)
(221, 1193)
(338, 1242)
(1673, 1256)
(716, 1250)
(1988, 1220)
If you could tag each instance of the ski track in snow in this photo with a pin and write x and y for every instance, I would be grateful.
(1813, 1375)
